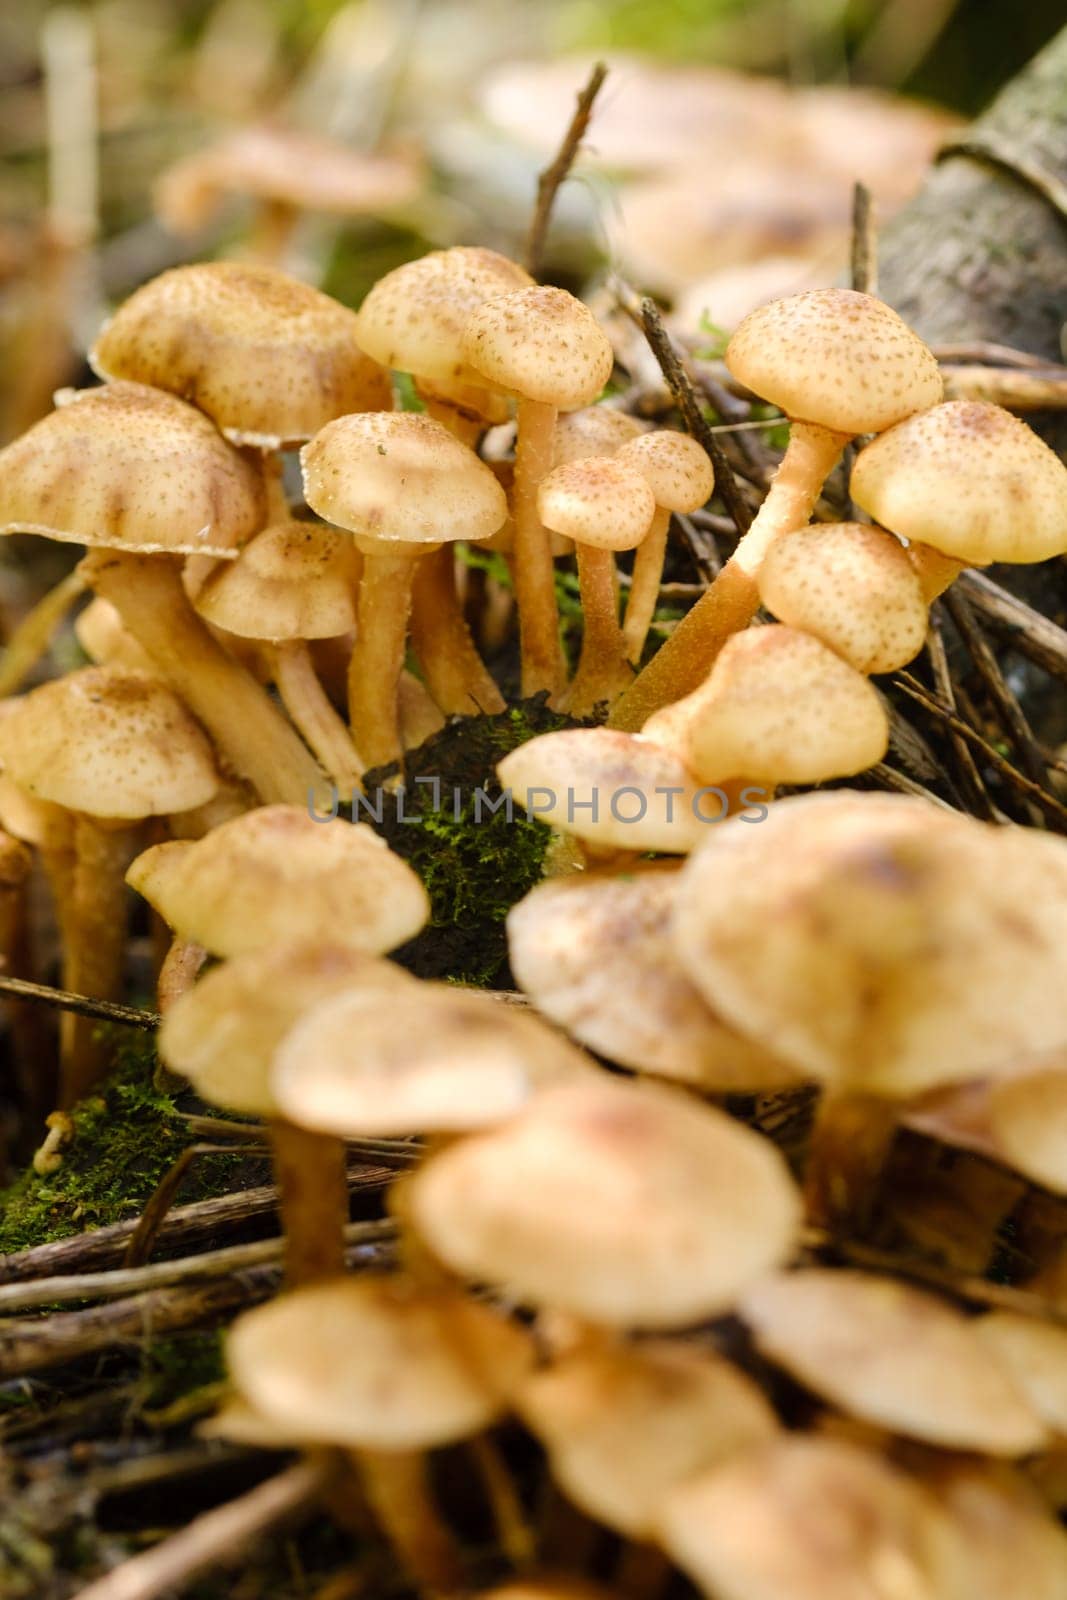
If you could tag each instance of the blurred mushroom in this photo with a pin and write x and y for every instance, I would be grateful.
(1007, 1539)
(1028, 1120)
(1035, 1353)
(681, 478)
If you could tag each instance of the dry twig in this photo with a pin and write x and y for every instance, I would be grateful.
(555, 174)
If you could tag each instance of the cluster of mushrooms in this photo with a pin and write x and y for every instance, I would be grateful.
(590, 1246)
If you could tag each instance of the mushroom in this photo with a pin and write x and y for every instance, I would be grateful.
(112, 749)
(294, 582)
(1008, 1541)
(597, 430)
(629, 1206)
(143, 479)
(107, 641)
(838, 363)
(1035, 1353)
(1028, 1120)
(400, 483)
(681, 478)
(544, 347)
(604, 506)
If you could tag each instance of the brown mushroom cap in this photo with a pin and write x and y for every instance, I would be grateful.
(880, 941)
(850, 585)
(113, 744)
(222, 1034)
(277, 876)
(447, 1061)
(540, 344)
(594, 952)
(969, 479)
(376, 1363)
(295, 580)
(623, 1426)
(1028, 1120)
(597, 430)
(1035, 1353)
(892, 1355)
(130, 468)
(675, 467)
(268, 358)
(400, 476)
(837, 358)
(597, 501)
(630, 1205)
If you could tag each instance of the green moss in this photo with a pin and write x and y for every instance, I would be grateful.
(175, 1367)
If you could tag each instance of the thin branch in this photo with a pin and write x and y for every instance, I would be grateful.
(83, 1004)
(946, 697)
(1010, 712)
(863, 255)
(555, 174)
(1032, 634)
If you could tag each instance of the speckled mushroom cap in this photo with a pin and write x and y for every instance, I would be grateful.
(540, 344)
(277, 876)
(594, 952)
(107, 642)
(113, 744)
(223, 1032)
(1035, 1353)
(675, 467)
(400, 476)
(376, 1363)
(623, 1426)
(893, 1355)
(882, 942)
(268, 358)
(969, 479)
(1008, 1539)
(597, 501)
(835, 357)
(597, 430)
(630, 1205)
(295, 580)
(1028, 1120)
(850, 585)
(644, 798)
(780, 707)
(807, 1518)
(130, 468)
(447, 1061)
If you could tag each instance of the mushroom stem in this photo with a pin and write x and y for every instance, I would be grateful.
(27, 1025)
(645, 585)
(398, 1492)
(307, 703)
(30, 640)
(250, 732)
(456, 675)
(602, 669)
(272, 232)
(849, 1145)
(732, 600)
(378, 658)
(95, 936)
(535, 580)
(309, 1169)
(936, 572)
(181, 967)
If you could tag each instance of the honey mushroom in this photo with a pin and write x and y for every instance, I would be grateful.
(1028, 1122)
(1035, 1354)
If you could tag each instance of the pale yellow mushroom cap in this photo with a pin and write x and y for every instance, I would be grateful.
(275, 875)
(597, 501)
(268, 358)
(376, 1363)
(540, 344)
(631, 1205)
(295, 580)
(106, 640)
(1028, 1119)
(1009, 1541)
(598, 430)
(835, 357)
(780, 707)
(892, 1355)
(113, 744)
(623, 1426)
(880, 941)
(400, 476)
(223, 1032)
(613, 789)
(1035, 1353)
(676, 468)
(969, 479)
(594, 952)
(850, 585)
(127, 467)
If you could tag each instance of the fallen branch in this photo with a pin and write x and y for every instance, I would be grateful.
(555, 174)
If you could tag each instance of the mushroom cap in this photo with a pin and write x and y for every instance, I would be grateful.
(277, 876)
(127, 467)
(1035, 1353)
(623, 1426)
(835, 357)
(881, 942)
(107, 641)
(549, 1589)
(540, 344)
(237, 1423)
(295, 580)
(398, 475)
(1009, 1542)
(805, 1518)
(850, 585)
(222, 1033)
(268, 358)
(597, 430)
(376, 1363)
(1028, 1119)
(969, 479)
(892, 1355)
(780, 707)
(109, 743)
(677, 469)
(597, 501)
(645, 798)
(594, 952)
(628, 1204)
(448, 1061)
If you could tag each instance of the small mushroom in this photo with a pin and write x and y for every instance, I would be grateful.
(681, 478)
